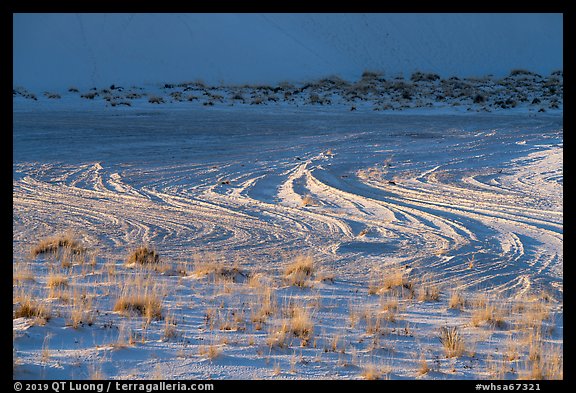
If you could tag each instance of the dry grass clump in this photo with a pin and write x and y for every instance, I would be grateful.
(441, 251)
(81, 311)
(389, 306)
(374, 287)
(532, 313)
(170, 330)
(394, 279)
(423, 366)
(428, 291)
(21, 273)
(266, 307)
(278, 335)
(457, 300)
(210, 265)
(57, 284)
(552, 362)
(512, 351)
(373, 320)
(53, 244)
(126, 337)
(142, 304)
(257, 280)
(29, 308)
(57, 281)
(325, 276)
(548, 365)
(96, 373)
(210, 351)
(143, 255)
(487, 312)
(80, 317)
(451, 341)
(301, 324)
(372, 371)
(140, 298)
(300, 271)
(301, 264)
(230, 321)
(308, 201)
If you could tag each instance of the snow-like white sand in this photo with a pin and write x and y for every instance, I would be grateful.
(468, 201)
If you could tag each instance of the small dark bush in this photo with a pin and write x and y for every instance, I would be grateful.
(120, 103)
(419, 76)
(90, 95)
(369, 75)
(143, 255)
(155, 100)
(52, 96)
(315, 99)
(518, 71)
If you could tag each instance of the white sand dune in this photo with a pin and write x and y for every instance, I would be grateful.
(427, 192)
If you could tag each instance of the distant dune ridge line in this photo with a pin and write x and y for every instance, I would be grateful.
(520, 89)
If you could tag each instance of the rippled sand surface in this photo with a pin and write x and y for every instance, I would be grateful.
(474, 200)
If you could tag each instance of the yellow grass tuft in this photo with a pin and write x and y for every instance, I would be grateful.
(372, 371)
(53, 244)
(21, 273)
(389, 306)
(143, 255)
(29, 308)
(277, 370)
(456, 300)
(451, 341)
(277, 335)
(256, 280)
(471, 262)
(423, 366)
(140, 301)
(512, 351)
(170, 330)
(548, 365)
(57, 281)
(490, 314)
(266, 306)
(429, 293)
(301, 324)
(393, 279)
(308, 201)
(210, 265)
(81, 312)
(533, 313)
(300, 271)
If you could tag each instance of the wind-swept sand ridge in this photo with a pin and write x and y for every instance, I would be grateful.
(476, 202)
